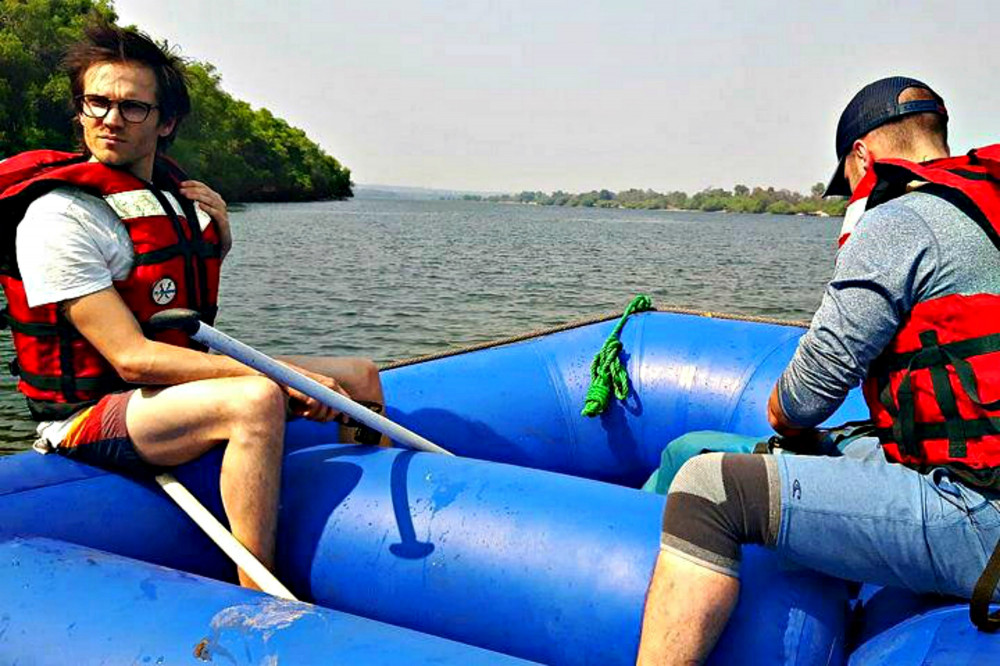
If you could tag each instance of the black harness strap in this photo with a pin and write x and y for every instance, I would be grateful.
(904, 417)
(52, 383)
(67, 381)
(973, 428)
(200, 248)
(183, 248)
(944, 394)
(33, 329)
(936, 358)
(973, 175)
(43, 410)
(916, 360)
(961, 201)
(982, 595)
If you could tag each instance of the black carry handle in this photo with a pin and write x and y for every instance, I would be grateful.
(176, 318)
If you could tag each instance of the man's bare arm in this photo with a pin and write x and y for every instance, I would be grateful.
(107, 323)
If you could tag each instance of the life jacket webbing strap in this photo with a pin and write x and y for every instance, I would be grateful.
(184, 247)
(918, 360)
(67, 382)
(37, 329)
(982, 595)
(973, 175)
(53, 383)
(981, 427)
(944, 394)
(44, 410)
(904, 417)
(961, 201)
(201, 249)
(198, 244)
(936, 358)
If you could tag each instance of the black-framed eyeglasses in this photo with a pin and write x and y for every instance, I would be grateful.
(98, 106)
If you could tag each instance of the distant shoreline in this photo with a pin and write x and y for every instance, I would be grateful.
(803, 208)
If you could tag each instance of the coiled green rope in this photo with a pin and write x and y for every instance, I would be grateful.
(607, 373)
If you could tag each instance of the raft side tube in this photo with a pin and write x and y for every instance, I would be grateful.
(520, 403)
(65, 604)
(542, 566)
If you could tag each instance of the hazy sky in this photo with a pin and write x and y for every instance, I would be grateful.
(581, 94)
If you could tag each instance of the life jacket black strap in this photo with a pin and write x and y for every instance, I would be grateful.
(961, 201)
(208, 314)
(894, 178)
(105, 384)
(44, 410)
(37, 329)
(973, 428)
(917, 360)
(944, 394)
(982, 595)
(183, 247)
(201, 249)
(904, 417)
(937, 358)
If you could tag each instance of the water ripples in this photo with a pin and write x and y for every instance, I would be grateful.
(393, 279)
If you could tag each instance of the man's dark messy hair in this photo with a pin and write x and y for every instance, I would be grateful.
(107, 43)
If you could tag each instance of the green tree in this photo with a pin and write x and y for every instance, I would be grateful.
(34, 94)
(245, 154)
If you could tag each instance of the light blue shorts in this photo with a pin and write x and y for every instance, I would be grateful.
(862, 518)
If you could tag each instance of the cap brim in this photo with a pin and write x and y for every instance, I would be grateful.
(838, 187)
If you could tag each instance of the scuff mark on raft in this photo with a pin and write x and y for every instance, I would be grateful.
(251, 626)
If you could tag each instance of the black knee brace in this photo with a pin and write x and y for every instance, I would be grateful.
(716, 503)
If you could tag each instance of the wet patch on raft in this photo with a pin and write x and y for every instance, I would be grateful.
(247, 629)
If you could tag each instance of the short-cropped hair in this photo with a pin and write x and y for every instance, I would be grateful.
(902, 133)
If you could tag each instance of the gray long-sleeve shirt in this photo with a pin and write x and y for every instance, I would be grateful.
(908, 250)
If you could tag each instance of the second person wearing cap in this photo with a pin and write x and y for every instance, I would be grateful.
(913, 309)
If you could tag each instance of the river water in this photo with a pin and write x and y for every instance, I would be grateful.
(392, 279)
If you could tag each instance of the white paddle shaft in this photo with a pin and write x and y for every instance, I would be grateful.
(222, 537)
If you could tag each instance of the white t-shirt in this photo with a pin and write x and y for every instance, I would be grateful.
(71, 244)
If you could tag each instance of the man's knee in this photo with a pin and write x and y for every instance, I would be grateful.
(260, 397)
(718, 502)
(701, 476)
(366, 375)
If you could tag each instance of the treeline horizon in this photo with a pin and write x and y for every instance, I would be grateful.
(243, 153)
(741, 199)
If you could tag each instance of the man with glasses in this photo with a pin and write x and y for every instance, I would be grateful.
(107, 239)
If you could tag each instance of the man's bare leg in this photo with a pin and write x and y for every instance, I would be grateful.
(359, 376)
(173, 425)
(687, 608)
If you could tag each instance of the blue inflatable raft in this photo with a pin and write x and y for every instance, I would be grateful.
(532, 546)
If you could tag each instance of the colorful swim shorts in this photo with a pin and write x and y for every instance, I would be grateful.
(98, 436)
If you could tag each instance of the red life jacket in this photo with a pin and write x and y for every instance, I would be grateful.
(934, 392)
(176, 264)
